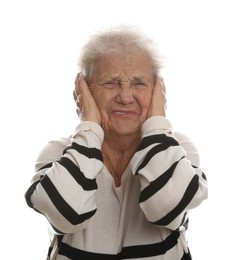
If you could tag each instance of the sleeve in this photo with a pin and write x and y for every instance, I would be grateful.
(171, 180)
(64, 186)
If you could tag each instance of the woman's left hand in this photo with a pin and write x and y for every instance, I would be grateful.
(158, 100)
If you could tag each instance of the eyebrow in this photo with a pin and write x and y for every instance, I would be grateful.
(113, 77)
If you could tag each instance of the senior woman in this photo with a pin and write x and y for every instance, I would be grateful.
(122, 185)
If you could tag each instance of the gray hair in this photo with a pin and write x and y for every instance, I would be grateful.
(114, 40)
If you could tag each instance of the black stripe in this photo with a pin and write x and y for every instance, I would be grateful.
(86, 184)
(185, 224)
(74, 253)
(29, 193)
(204, 176)
(63, 207)
(151, 250)
(187, 256)
(59, 239)
(157, 184)
(46, 166)
(184, 221)
(154, 151)
(152, 139)
(186, 199)
(131, 252)
(88, 152)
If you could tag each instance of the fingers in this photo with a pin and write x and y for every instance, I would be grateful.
(87, 109)
(158, 100)
(78, 87)
(163, 86)
(76, 95)
(81, 90)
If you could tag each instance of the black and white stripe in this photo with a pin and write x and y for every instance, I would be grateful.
(129, 252)
(70, 170)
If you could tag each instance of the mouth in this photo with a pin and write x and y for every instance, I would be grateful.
(123, 113)
(120, 113)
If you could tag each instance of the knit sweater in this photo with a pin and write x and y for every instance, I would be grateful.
(145, 218)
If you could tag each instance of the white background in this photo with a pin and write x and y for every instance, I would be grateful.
(39, 45)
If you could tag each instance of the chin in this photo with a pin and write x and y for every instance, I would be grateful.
(122, 128)
(127, 130)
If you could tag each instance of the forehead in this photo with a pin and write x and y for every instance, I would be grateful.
(123, 64)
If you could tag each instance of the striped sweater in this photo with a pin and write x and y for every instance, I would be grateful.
(145, 218)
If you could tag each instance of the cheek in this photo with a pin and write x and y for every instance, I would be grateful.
(97, 95)
(144, 102)
(101, 99)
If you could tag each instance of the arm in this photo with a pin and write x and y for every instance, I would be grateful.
(64, 186)
(171, 181)
(168, 167)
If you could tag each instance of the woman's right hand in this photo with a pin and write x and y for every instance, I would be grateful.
(86, 105)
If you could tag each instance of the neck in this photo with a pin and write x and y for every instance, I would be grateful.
(117, 152)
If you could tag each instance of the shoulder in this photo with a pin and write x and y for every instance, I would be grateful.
(189, 147)
(184, 140)
(52, 151)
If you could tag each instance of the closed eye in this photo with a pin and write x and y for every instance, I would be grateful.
(112, 84)
(138, 84)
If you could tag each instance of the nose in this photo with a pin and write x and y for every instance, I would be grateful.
(125, 94)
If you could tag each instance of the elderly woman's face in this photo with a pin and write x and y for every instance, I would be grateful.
(122, 88)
